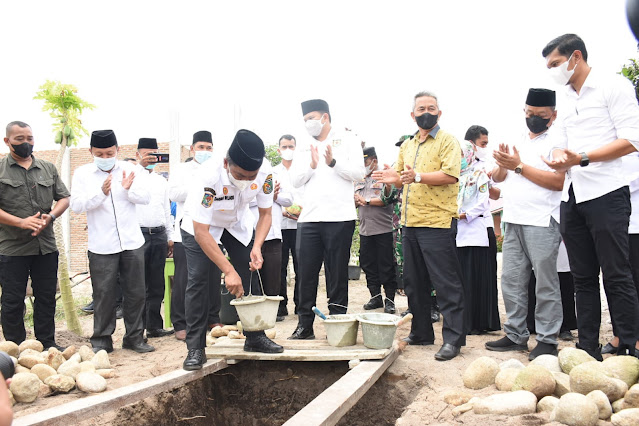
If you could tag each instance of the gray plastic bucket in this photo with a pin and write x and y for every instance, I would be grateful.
(378, 330)
(341, 330)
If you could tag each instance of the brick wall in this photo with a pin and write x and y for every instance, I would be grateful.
(78, 261)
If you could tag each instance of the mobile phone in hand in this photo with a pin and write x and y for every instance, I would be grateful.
(162, 158)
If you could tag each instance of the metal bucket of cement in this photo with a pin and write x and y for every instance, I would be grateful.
(341, 330)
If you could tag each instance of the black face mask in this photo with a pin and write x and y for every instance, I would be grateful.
(23, 150)
(536, 124)
(426, 121)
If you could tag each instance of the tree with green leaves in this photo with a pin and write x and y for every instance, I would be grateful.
(272, 155)
(631, 72)
(65, 107)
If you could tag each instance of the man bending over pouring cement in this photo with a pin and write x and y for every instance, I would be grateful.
(217, 212)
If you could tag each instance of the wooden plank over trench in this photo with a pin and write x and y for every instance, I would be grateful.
(332, 404)
(92, 406)
(296, 350)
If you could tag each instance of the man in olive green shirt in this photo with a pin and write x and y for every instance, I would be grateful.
(428, 169)
(28, 188)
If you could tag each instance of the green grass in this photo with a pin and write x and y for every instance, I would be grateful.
(59, 310)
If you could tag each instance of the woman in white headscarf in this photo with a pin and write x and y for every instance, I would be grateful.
(480, 291)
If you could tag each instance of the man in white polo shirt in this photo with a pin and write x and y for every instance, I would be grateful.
(327, 167)
(599, 123)
(108, 191)
(217, 212)
(532, 193)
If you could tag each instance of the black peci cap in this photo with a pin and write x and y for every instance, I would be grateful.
(103, 139)
(247, 150)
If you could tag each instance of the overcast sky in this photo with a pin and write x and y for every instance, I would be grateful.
(140, 62)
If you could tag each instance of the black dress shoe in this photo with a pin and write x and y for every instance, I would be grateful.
(504, 345)
(280, 318)
(406, 312)
(302, 333)
(609, 349)
(447, 352)
(593, 352)
(389, 308)
(48, 346)
(258, 342)
(88, 308)
(374, 303)
(195, 359)
(567, 336)
(160, 332)
(542, 349)
(119, 312)
(410, 341)
(138, 347)
(97, 349)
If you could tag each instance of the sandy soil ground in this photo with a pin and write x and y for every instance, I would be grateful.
(415, 365)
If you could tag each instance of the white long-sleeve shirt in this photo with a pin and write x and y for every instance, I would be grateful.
(180, 181)
(158, 211)
(111, 219)
(604, 110)
(328, 192)
(283, 176)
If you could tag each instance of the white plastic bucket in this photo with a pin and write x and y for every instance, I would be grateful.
(378, 330)
(341, 329)
(257, 313)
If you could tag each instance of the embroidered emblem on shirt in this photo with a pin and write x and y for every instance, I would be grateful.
(253, 186)
(225, 190)
(268, 185)
(337, 142)
(207, 199)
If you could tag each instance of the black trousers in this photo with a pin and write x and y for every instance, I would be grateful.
(376, 258)
(567, 288)
(155, 251)
(272, 267)
(127, 267)
(634, 264)
(430, 257)
(328, 242)
(596, 236)
(204, 279)
(14, 273)
(289, 237)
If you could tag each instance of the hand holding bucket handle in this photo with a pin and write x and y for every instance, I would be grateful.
(234, 283)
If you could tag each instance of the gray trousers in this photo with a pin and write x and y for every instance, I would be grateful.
(105, 269)
(527, 247)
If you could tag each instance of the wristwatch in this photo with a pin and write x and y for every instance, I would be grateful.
(368, 201)
(418, 177)
(332, 163)
(519, 169)
(584, 159)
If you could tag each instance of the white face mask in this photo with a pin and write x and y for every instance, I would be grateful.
(287, 154)
(370, 168)
(202, 156)
(105, 164)
(239, 184)
(561, 74)
(482, 153)
(314, 127)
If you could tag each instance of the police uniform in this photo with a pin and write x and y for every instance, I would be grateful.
(215, 201)
(376, 242)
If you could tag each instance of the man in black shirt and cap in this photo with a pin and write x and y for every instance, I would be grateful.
(217, 212)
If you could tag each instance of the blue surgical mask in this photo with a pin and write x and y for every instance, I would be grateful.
(104, 164)
(202, 156)
(464, 163)
(151, 166)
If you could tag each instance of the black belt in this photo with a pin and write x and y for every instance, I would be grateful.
(151, 231)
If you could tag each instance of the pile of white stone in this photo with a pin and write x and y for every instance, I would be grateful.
(573, 387)
(220, 334)
(40, 373)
